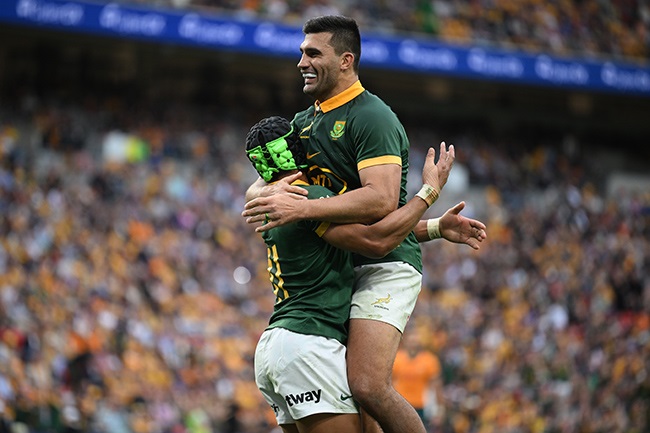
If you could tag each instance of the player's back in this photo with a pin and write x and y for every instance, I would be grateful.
(312, 280)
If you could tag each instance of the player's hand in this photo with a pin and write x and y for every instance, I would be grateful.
(461, 230)
(281, 206)
(436, 174)
(283, 186)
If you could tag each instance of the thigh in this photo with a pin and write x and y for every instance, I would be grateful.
(289, 428)
(330, 423)
(372, 346)
(303, 375)
(265, 362)
(384, 298)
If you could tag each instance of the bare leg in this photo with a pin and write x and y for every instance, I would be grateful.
(330, 423)
(289, 428)
(369, 424)
(372, 346)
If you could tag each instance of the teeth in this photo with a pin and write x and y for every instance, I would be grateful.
(309, 75)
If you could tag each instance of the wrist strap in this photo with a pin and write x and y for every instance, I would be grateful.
(428, 194)
(433, 228)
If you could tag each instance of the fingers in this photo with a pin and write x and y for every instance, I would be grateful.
(457, 208)
(256, 206)
(267, 226)
(286, 186)
(255, 209)
(259, 215)
(430, 160)
(296, 192)
(451, 154)
(261, 205)
(445, 162)
(477, 224)
(478, 228)
(478, 234)
(291, 178)
(258, 218)
(251, 206)
(447, 153)
(436, 173)
(265, 217)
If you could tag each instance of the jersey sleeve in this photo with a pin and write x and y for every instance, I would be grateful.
(379, 138)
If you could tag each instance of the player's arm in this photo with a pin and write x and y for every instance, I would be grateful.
(378, 196)
(382, 237)
(453, 227)
(279, 210)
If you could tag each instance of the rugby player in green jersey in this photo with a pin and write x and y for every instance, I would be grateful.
(357, 147)
(300, 365)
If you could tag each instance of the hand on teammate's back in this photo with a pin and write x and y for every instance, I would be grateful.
(283, 186)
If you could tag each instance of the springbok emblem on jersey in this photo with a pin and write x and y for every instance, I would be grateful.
(337, 129)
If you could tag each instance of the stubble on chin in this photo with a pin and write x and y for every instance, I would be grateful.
(309, 90)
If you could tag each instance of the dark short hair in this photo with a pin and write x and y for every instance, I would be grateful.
(345, 34)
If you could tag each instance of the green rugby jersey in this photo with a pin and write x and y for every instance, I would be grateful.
(351, 131)
(311, 279)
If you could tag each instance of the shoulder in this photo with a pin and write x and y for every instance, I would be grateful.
(369, 108)
(368, 101)
(300, 117)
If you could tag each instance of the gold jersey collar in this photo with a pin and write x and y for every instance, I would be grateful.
(342, 98)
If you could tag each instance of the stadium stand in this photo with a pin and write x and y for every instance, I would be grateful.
(612, 28)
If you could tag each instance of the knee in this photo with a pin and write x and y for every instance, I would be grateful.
(367, 389)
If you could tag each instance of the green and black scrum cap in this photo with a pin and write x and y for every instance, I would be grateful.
(273, 146)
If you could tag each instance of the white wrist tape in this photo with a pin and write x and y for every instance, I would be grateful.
(433, 228)
(428, 193)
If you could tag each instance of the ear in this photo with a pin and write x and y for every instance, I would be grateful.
(347, 61)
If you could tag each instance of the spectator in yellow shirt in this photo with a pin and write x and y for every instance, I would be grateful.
(417, 377)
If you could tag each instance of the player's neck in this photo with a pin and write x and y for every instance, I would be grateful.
(344, 83)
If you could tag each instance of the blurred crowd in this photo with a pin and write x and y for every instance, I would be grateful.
(132, 292)
(587, 28)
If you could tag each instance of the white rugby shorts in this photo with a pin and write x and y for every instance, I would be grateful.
(386, 292)
(301, 375)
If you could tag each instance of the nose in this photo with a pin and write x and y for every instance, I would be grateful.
(302, 63)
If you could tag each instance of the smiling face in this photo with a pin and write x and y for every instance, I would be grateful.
(324, 72)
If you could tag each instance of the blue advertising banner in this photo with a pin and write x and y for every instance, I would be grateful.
(407, 54)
